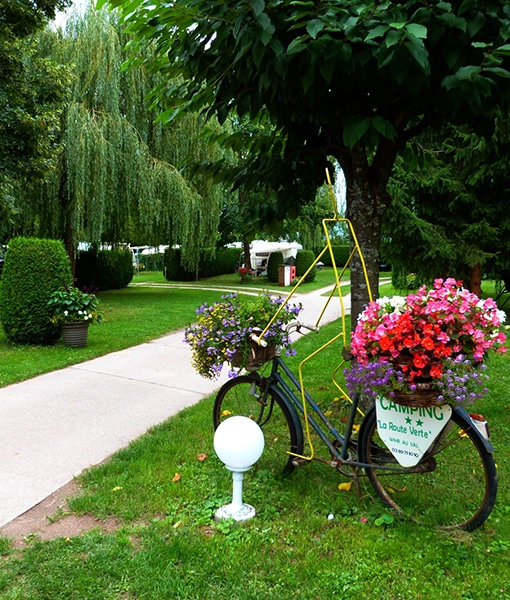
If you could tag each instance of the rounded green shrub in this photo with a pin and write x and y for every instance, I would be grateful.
(274, 261)
(34, 269)
(341, 254)
(104, 269)
(304, 259)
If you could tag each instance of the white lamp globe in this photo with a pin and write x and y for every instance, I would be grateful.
(238, 442)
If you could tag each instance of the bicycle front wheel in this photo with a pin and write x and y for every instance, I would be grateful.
(283, 434)
(453, 486)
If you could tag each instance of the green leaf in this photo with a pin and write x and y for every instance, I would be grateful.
(258, 52)
(257, 6)
(354, 130)
(384, 519)
(453, 21)
(450, 82)
(296, 46)
(308, 79)
(314, 26)
(505, 50)
(498, 71)
(384, 127)
(392, 38)
(481, 45)
(420, 54)
(377, 32)
(468, 72)
(397, 25)
(419, 31)
(475, 23)
(327, 68)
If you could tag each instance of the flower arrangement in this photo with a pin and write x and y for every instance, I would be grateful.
(72, 305)
(438, 336)
(223, 328)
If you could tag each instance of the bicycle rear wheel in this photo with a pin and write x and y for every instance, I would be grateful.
(278, 420)
(453, 486)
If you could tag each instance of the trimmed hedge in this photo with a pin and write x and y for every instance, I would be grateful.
(104, 269)
(341, 254)
(305, 258)
(34, 269)
(274, 261)
(221, 262)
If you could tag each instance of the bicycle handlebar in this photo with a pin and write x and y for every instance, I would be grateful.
(292, 326)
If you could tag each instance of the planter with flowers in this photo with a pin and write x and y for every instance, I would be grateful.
(73, 311)
(427, 348)
(222, 333)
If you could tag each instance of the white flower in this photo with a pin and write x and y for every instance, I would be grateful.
(501, 316)
(65, 313)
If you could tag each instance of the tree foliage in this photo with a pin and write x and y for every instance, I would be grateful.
(451, 207)
(352, 80)
(31, 89)
(119, 175)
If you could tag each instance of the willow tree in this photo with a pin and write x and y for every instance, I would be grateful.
(118, 176)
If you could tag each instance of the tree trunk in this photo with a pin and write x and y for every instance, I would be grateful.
(475, 279)
(247, 259)
(69, 238)
(367, 201)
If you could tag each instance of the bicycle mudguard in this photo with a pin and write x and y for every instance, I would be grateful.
(468, 422)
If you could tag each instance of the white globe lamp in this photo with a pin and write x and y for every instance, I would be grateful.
(238, 442)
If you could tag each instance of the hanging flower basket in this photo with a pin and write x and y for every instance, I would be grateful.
(427, 348)
(254, 358)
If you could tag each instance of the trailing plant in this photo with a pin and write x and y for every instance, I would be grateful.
(223, 329)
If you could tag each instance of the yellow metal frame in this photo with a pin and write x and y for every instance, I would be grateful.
(336, 289)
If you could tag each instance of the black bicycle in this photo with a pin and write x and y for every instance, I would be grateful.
(454, 484)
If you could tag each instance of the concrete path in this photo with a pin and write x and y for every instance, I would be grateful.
(54, 426)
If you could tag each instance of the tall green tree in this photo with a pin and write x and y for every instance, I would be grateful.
(119, 174)
(350, 79)
(450, 209)
(31, 92)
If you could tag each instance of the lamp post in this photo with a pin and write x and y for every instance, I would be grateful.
(238, 442)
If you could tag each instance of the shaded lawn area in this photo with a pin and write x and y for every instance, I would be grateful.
(169, 546)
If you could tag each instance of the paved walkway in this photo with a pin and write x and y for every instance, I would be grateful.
(54, 426)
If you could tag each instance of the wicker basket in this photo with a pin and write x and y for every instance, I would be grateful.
(424, 395)
(257, 356)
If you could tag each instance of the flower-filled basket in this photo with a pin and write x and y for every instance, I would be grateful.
(223, 329)
(426, 348)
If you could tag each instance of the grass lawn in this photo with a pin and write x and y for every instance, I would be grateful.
(163, 493)
(131, 316)
(324, 277)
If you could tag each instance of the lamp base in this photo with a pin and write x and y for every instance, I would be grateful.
(238, 512)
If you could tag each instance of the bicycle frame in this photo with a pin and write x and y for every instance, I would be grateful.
(340, 453)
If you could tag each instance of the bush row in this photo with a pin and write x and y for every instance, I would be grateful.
(341, 254)
(224, 260)
(104, 269)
